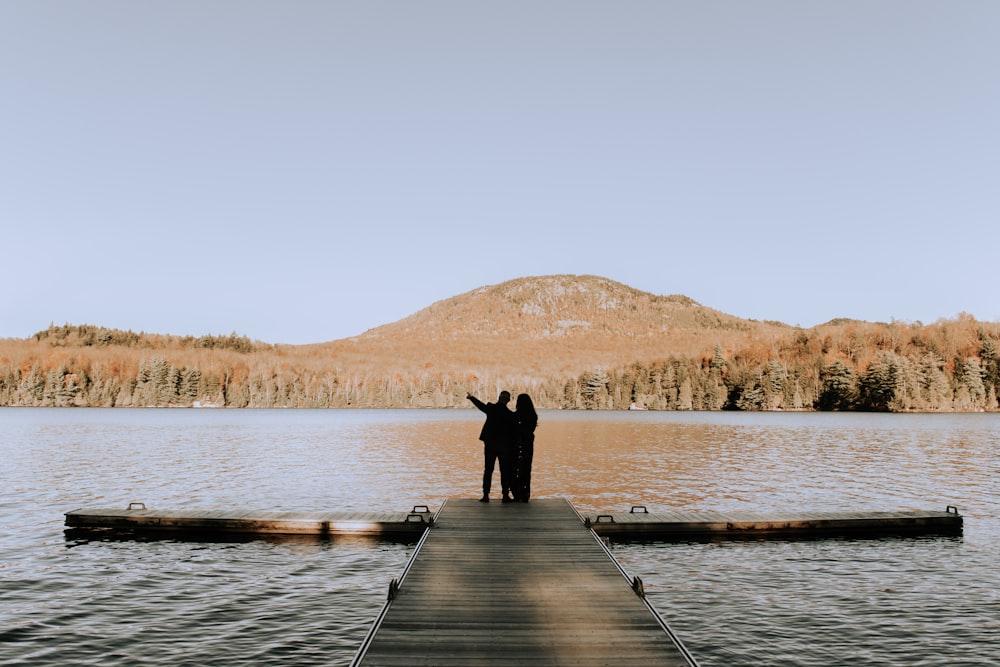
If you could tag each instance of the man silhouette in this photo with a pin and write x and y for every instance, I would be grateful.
(498, 439)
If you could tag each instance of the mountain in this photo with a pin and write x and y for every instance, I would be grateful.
(547, 326)
(572, 342)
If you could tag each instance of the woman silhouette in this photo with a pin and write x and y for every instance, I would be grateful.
(524, 446)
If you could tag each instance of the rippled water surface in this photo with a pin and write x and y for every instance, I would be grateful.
(891, 601)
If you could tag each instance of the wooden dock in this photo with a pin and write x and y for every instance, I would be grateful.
(516, 584)
(513, 584)
(212, 523)
(636, 524)
(639, 523)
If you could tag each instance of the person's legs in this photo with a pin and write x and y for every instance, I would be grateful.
(514, 477)
(489, 463)
(524, 469)
(506, 470)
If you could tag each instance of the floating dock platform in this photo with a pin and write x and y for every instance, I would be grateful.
(516, 584)
(639, 523)
(209, 523)
(636, 524)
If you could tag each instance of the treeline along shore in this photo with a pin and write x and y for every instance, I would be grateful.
(951, 365)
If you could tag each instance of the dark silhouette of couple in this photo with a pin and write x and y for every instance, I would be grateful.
(508, 437)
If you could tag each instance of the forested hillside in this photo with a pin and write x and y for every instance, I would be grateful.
(573, 342)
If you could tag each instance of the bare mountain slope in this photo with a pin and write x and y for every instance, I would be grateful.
(546, 325)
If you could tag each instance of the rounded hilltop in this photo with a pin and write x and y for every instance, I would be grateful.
(546, 326)
(560, 306)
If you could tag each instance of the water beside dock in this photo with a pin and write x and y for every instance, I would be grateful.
(311, 601)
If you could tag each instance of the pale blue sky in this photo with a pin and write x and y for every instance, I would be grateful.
(304, 171)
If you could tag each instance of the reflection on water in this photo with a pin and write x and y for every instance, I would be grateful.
(913, 601)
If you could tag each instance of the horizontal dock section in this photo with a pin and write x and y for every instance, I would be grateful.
(639, 523)
(636, 524)
(516, 584)
(207, 523)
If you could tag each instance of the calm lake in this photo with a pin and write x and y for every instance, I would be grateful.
(932, 600)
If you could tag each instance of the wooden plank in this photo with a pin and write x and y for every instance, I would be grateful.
(207, 522)
(516, 584)
(639, 524)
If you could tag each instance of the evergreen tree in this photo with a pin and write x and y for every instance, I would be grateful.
(990, 355)
(774, 383)
(718, 363)
(970, 393)
(935, 389)
(888, 383)
(839, 387)
(685, 395)
(594, 389)
(749, 394)
(190, 384)
(54, 380)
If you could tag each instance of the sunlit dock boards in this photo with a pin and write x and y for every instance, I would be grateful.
(209, 523)
(516, 584)
(639, 523)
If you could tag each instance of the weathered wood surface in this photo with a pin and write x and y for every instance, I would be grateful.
(639, 523)
(211, 522)
(636, 524)
(516, 584)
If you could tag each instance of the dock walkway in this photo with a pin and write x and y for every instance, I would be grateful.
(516, 584)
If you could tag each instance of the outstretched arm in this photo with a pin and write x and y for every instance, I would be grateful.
(475, 401)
